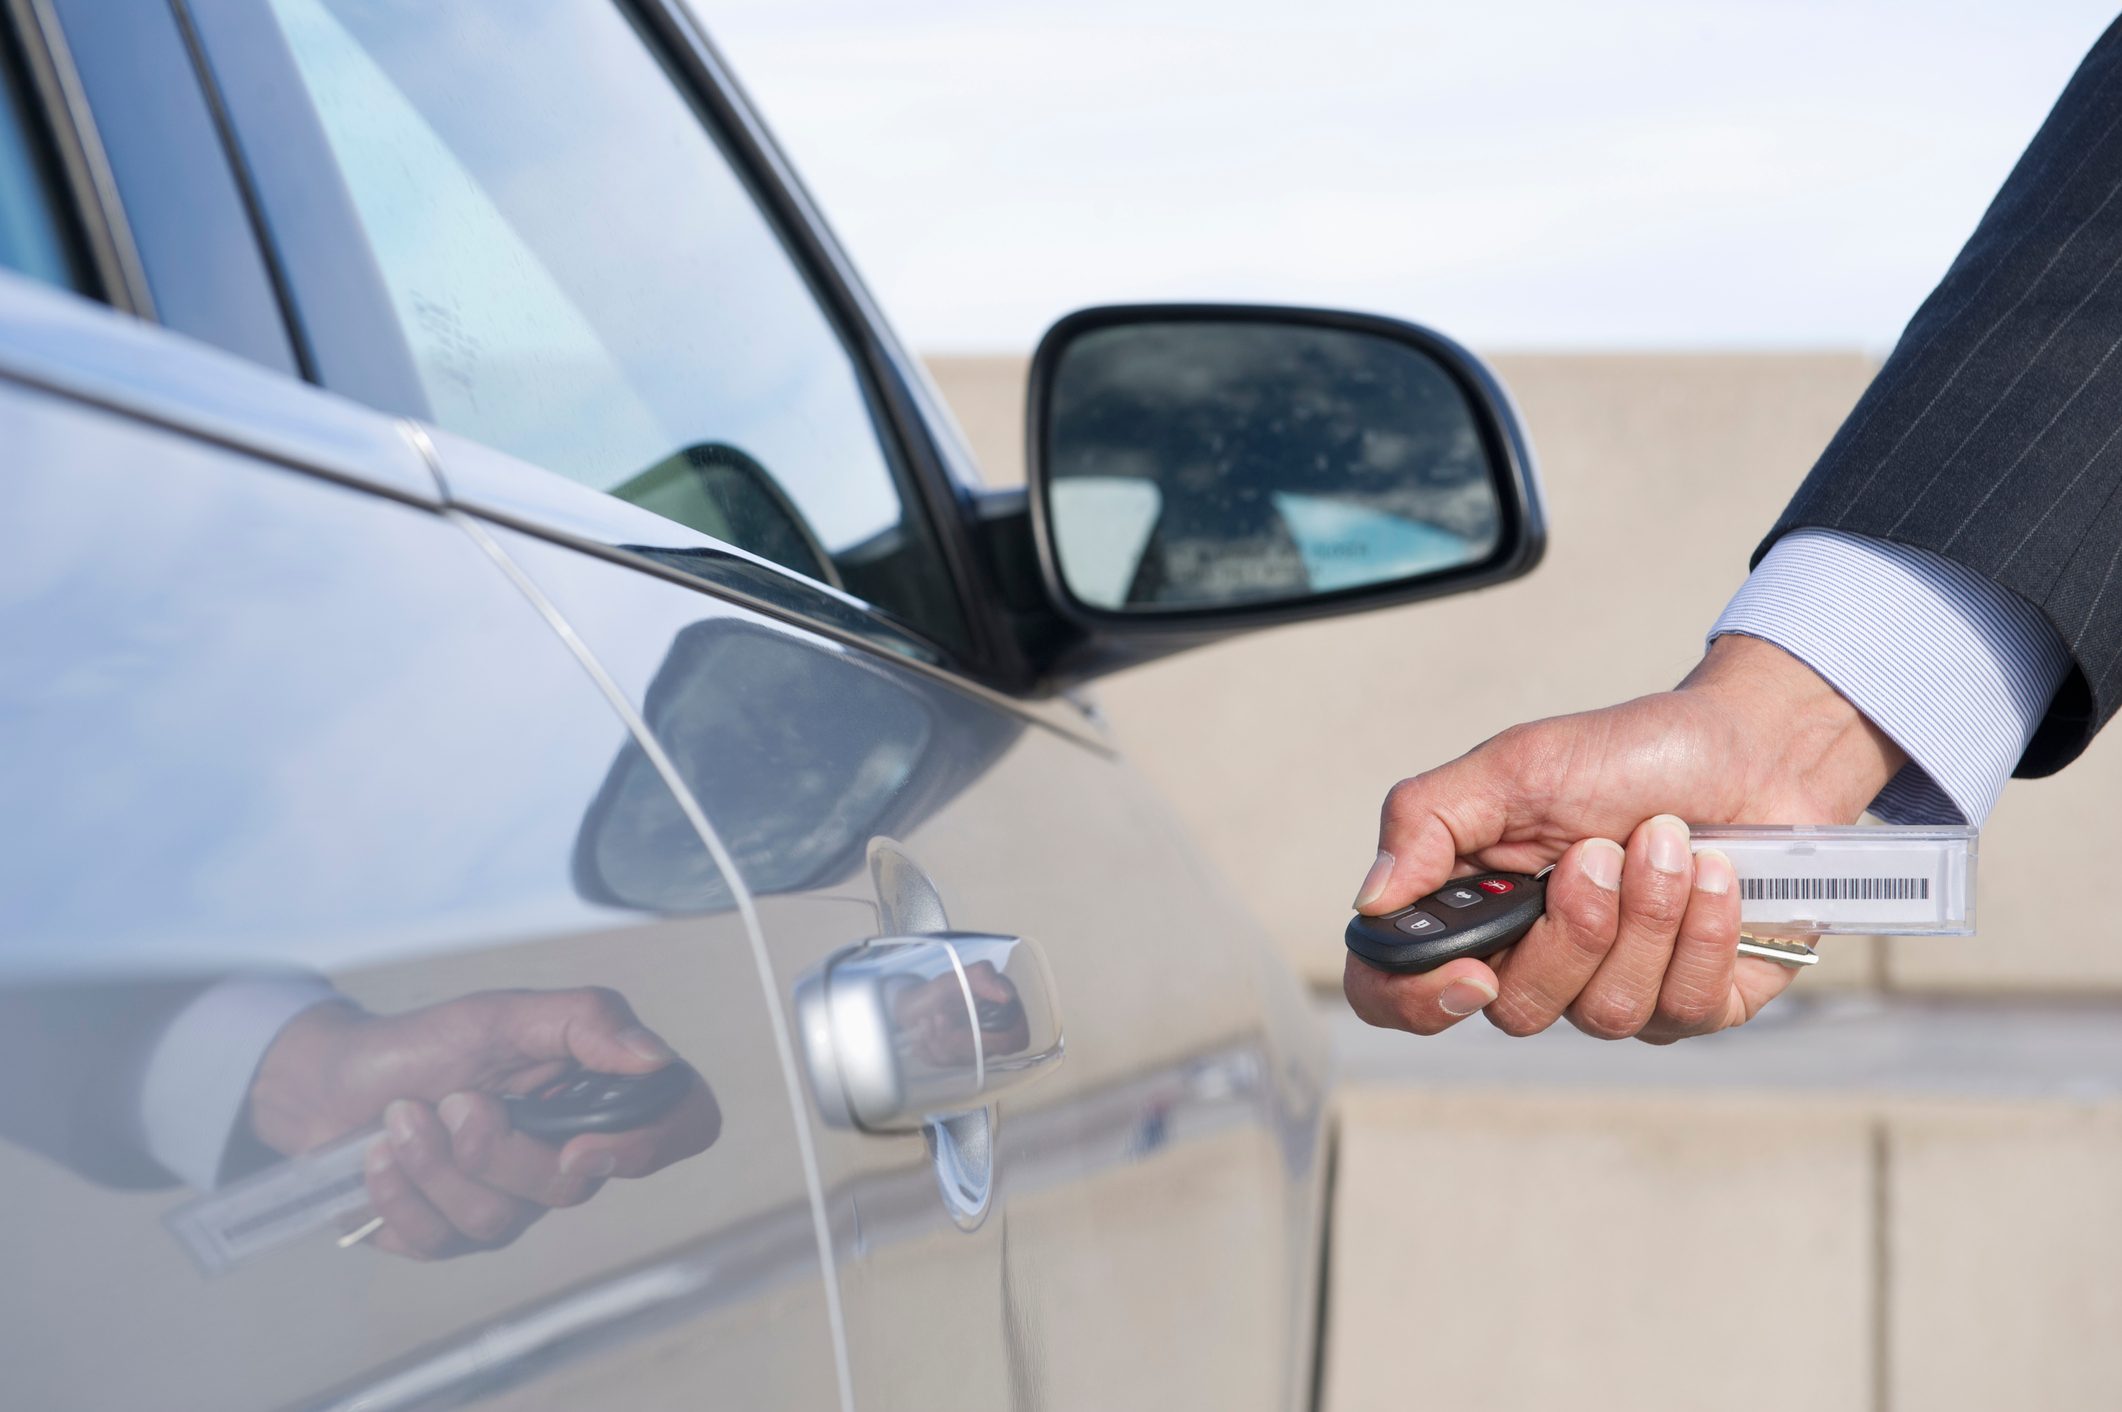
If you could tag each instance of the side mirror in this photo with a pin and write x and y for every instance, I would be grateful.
(1197, 470)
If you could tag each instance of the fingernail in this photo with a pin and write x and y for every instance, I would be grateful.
(646, 1046)
(1374, 881)
(1463, 997)
(1601, 861)
(595, 1166)
(453, 1110)
(1713, 872)
(1668, 844)
(398, 1118)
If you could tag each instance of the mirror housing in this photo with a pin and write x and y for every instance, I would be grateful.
(1222, 468)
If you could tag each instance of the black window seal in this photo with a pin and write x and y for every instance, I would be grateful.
(700, 68)
(89, 209)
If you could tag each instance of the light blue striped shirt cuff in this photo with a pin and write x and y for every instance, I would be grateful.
(1957, 670)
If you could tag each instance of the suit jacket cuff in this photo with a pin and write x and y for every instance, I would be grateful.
(195, 1092)
(1957, 670)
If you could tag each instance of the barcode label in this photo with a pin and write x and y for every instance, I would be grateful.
(1869, 881)
(1834, 889)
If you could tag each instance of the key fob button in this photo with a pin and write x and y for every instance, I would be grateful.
(1495, 887)
(1459, 896)
(1418, 924)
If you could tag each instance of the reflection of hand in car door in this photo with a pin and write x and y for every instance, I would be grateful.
(940, 1027)
(451, 1175)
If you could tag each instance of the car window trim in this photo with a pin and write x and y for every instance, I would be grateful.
(139, 105)
(255, 69)
(91, 215)
(781, 193)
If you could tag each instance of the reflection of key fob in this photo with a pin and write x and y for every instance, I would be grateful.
(586, 1102)
(1476, 916)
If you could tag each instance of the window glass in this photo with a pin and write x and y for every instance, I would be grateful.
(30, 232)
(585, 282)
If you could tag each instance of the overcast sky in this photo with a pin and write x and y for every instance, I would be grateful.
(1520, 173)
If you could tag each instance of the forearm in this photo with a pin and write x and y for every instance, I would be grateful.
(1793, 734)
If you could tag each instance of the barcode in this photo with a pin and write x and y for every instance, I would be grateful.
(1834, 889)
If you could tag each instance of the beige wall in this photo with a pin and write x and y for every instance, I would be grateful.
(1745, 1253)
(1661, 473)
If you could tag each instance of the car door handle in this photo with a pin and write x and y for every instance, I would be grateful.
(901, 1030)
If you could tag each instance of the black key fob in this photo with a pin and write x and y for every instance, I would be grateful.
(1476, 916)
(586, 1102)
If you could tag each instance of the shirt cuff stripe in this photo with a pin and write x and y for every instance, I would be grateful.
(1957, 670)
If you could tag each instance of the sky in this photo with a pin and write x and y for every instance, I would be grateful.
(1519, 173)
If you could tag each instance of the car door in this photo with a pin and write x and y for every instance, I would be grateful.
(1137, 1227)
(309, 810)
(647, 380)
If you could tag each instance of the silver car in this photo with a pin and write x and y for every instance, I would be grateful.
(553, 856)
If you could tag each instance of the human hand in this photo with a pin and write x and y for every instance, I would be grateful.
(450, 1175)
(940, 1027)
(1640, 941)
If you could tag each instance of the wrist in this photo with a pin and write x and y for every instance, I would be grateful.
(296, 1099)
(1801, 742)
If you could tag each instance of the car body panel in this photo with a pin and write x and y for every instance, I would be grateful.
(259, 724)
(68, 345)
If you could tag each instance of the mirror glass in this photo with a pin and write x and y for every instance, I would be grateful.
(1204, 464)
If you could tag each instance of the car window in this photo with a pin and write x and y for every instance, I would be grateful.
(32, 238)
(584, 281)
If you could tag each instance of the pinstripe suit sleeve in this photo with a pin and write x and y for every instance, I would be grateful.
(1992, 437)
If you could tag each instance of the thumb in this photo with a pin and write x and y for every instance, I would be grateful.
(1426, 1003)
(1428, 824)
(592, 1026)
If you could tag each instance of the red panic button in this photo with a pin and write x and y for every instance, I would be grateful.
(1496, 886)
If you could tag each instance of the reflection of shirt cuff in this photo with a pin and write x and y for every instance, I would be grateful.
(1956, 670)
(198, 1080)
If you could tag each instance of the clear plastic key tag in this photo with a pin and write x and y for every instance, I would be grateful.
(323, 1190)
(1863, 879)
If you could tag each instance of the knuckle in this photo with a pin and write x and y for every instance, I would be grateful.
(1589, 936)
(1359, 985)
(418, 1159)
(475, 1158)
(472, 1147)
(1686, 1008)
(1529, 750)
(487, 1221)
(1606, 1016)
(1662, 903)
(1586, 917)
(1404, 798)
(1517, 1017)
(1421, 1019)
(1515, 739)
(570, 1191)
(602, 1002)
